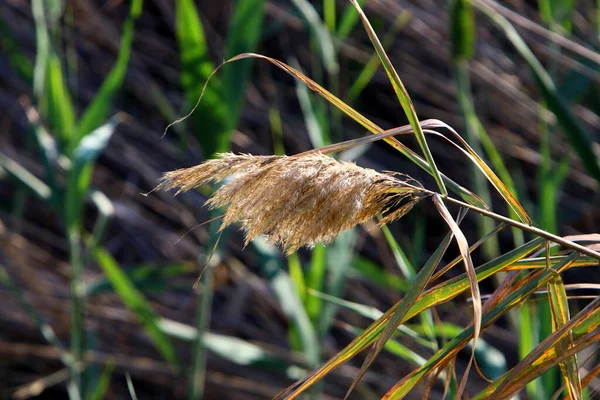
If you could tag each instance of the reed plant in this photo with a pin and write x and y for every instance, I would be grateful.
(309, 198)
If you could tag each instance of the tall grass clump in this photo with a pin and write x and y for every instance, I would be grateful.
(309, 198)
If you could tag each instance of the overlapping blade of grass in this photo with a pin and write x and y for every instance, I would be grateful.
(560, 316)
(416, 290)
(137, 304)
(466, 194)
(403, 97)
(98, 110)
(502, 189)
(442, 357)
(544, 356)
(463, 246)
(577, 135)
(80, 173)
(434, 296)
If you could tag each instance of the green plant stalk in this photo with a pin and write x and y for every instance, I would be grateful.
(203, 314)
(77, 304)
(197, 376)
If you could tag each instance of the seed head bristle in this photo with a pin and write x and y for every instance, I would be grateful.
(299, 200)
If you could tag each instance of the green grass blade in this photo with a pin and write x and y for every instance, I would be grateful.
(416, 290)
(577, 135)
(59, 106)
(339, 258)
(212, 124)
(320, 33)
(243, 36)
(104, 383)
(403, 97)
(98, 110)
(137, 304)
(80, 174)
(560, 316)
(348, 21)
(369, 70)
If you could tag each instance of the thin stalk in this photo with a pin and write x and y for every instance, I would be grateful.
(77, 320)
(527, 228)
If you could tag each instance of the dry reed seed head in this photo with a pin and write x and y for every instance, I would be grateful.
(299, 200)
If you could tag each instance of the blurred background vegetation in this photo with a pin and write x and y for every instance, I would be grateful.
(96, 278)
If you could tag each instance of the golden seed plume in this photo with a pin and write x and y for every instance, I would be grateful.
(298, 200)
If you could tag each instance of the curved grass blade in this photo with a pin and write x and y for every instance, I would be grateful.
(560, 316)
(403, 97)
(464, 193)
(437, 295)
(485, 169)
(451, 348)
(463, 245)
(136, 302)
(416, 290)
(577, 135)
(531, 367)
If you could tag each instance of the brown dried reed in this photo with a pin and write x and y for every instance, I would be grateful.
(298, 200)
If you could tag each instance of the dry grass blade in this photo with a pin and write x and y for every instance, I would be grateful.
(463, 245)
(298, 201)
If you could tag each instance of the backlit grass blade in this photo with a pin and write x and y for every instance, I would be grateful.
(560, 316)
(434, 296)
(529, 368)
(463, 37)
(449, 351)
(403, 97)
(577, 135)
(463, 246)
(137, 304)
(399, 315)
(58, 104)
(98, 110)
(348, 21)
(486, 170)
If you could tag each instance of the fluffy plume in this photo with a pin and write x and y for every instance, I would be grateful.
(298, 200)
